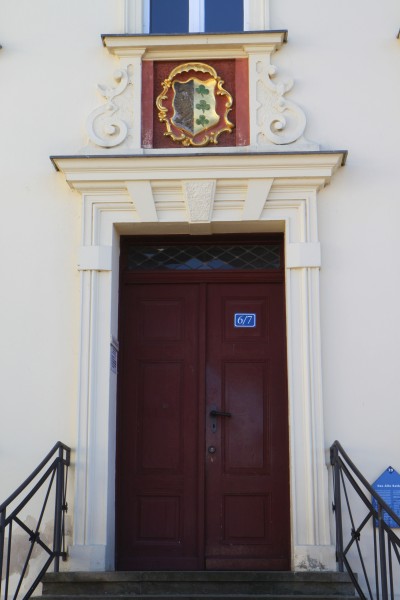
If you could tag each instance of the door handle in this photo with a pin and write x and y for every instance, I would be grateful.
(214, 413)
(219, 413)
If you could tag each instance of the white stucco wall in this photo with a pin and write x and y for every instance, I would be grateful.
(345, 60)
(49, 66)
(51, 50)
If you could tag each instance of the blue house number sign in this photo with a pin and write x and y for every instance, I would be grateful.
(245, 320)
(388, 487)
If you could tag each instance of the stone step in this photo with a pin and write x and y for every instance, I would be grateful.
(196, 584)
(232, 596)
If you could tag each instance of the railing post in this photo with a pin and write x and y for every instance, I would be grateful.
(58, 509)
(382, 554)
(338, 507)
(2, 540)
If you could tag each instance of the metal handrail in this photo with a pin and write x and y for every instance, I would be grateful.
(53, 472)
(377, 533)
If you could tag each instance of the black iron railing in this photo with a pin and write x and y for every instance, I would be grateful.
(45, 492)
(362, 540)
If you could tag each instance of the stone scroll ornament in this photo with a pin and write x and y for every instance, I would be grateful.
(280, 121)
(194, 106)
(104, 127)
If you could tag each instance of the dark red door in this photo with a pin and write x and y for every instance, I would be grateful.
(158, 415)
(196, 490)
(247, 484)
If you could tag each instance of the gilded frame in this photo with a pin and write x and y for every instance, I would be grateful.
(204, 137)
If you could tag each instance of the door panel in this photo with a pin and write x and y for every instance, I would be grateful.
(174, 460)
(244, 435)
(160, 407)
(247, 480)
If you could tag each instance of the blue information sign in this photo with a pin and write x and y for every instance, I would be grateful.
(245, 320)
(388, 487)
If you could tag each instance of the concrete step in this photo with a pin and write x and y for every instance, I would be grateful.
(203, 597)
(196, 584)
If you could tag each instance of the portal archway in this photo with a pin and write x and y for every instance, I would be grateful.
(163, 195)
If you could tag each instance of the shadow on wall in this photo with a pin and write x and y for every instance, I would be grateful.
(25, 559)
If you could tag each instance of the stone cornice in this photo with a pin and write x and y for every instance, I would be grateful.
(169, 47)
(314, 169)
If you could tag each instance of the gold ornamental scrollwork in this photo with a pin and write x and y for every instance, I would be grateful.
(194, 109)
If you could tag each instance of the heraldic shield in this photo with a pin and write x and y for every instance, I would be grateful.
(194, 106)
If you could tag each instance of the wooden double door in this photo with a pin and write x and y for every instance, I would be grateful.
(202, 427)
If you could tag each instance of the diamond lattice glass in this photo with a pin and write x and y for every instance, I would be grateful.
(224, 257)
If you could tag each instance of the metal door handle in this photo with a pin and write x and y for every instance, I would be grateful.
(219, 413)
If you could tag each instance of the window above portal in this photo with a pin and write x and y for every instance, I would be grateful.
(184, 16)
(204, 257)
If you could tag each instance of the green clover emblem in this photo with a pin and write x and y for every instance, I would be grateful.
(202, 120)
(202, 105)
(202, 90)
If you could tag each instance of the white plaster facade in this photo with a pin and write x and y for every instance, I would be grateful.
(61, 247)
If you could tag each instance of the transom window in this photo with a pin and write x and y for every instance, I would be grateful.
(183, 16)
(204, 257)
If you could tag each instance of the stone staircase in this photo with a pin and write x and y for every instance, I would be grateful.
(198, 585)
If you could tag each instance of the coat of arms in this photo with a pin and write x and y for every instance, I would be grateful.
(194, 105)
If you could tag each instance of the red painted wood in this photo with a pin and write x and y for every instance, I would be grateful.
(157, 463)
(181, 357)
(247, 490)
